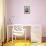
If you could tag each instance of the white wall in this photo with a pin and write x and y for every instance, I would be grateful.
(1, 20)
(16, 10)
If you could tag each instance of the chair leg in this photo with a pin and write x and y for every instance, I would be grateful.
(12, 37)
(15, 38)
(25, 36)
(2, 44)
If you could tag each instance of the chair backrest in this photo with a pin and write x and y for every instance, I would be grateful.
(18, 30)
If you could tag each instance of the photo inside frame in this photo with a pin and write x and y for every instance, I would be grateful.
(26, 9)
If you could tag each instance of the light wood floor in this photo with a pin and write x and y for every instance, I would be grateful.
(18, 43)
(23, 43)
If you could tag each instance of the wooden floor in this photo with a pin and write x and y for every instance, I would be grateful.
(23, 43)
(43, 39)
(18, 43)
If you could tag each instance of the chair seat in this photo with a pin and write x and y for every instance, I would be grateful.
(18, 33)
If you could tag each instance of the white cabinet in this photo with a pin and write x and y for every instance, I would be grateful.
(36, 33)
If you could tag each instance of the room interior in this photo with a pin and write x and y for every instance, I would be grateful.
(26, 17)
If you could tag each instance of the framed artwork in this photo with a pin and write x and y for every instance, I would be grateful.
(26, 9)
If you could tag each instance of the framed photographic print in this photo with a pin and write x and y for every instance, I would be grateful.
(26, 9)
